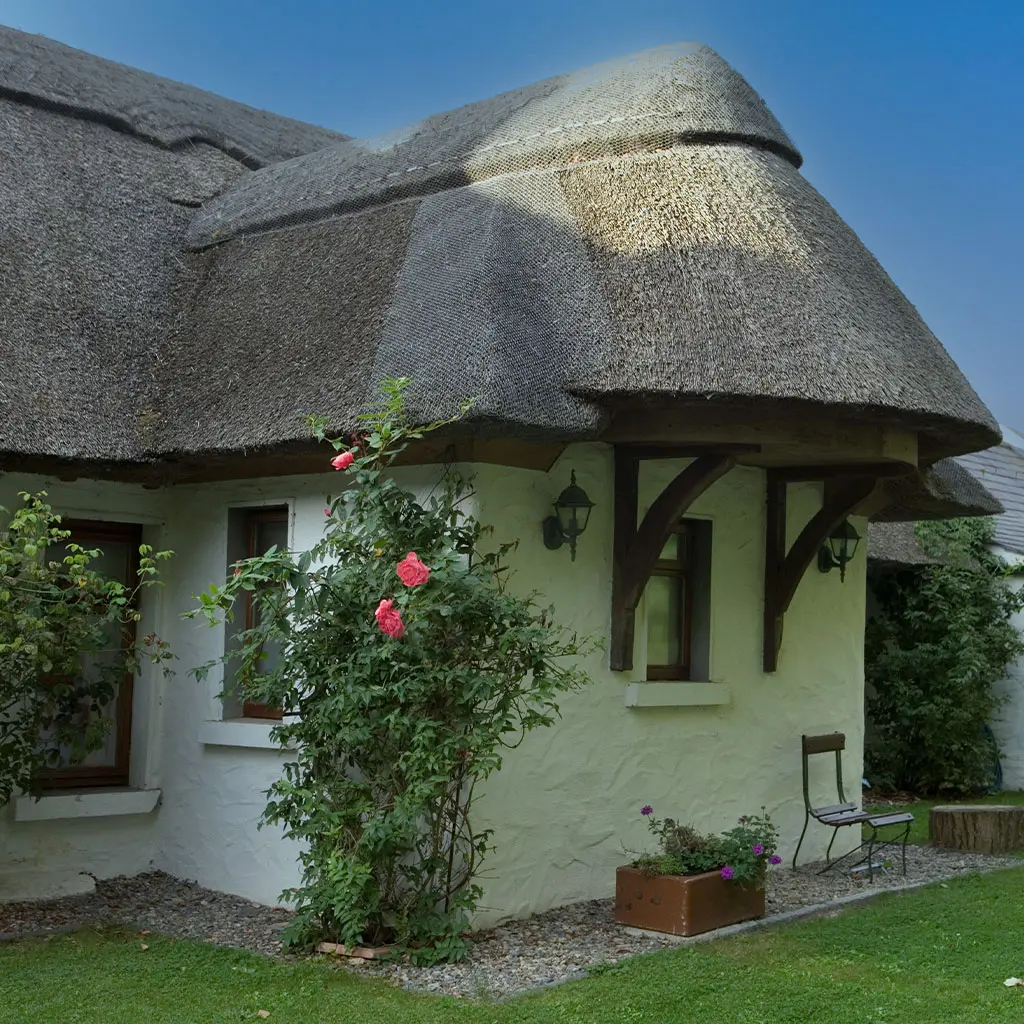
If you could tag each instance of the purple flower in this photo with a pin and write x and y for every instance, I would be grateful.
(774, 859)
(646, 809)
(727, 872)
(743, 821)
(758, 849)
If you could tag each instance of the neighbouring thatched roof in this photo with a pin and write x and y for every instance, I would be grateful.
(633, 234)
(894, 544)
(1001, 471)
(945, 491)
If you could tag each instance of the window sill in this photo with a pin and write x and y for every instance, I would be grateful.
(251, 733)
(95, 803)
(676, 695)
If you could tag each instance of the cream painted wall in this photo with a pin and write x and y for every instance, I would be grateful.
(566, 804)
(568, 800)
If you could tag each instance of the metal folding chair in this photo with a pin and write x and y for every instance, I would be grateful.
(846, 813)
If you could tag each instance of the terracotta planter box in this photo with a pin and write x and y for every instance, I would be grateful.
(683, 904)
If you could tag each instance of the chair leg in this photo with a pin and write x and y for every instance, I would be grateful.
(807, 818)
(828, 852)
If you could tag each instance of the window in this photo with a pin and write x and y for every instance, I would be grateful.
(251, 532)
(677, 603)
(119, 560)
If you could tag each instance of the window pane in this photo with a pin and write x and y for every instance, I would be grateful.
(663, 598)
(270, 533)
(114, 562)
(670, 552)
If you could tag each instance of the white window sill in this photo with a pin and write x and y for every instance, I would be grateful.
(94, 803)
(253, 733)
(676, 695)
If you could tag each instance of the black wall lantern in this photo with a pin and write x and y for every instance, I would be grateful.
(572, 511)
(842, 545)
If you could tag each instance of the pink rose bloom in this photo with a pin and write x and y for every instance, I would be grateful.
(411, 571)
(343, 461)
(327, 511)
(390, 619)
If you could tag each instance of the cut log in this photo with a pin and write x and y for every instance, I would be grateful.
(978, 828)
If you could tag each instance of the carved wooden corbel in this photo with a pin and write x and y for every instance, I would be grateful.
(637, 550)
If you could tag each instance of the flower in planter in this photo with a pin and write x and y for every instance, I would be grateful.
(738, 855)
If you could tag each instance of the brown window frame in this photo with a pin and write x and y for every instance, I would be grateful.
(81, 776)
(253, 519)
(681, 570)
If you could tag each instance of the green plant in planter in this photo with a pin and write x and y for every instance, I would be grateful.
(406, 668)
(741, 854)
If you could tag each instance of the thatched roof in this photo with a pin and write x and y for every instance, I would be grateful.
(634, 234)
(892, 545)
(945, 491)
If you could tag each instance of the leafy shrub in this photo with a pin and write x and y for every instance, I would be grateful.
(409, 668)
(941, 637)
(57, 615)
(742, 854)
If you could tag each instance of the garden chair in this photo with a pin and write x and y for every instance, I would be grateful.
(845, 813)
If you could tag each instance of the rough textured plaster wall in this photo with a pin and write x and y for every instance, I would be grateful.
(1008, 725)
(110, 846)
(567, 801)
(214, 795)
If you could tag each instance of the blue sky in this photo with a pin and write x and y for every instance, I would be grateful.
(910, 115)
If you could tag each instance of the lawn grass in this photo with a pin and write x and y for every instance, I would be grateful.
(939, 954)
(920, 809)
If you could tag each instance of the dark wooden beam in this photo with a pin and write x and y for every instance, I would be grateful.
(774, 553)
(688, 451)
(637, 550)
(627, 494)
(784, 569)
(842, 471)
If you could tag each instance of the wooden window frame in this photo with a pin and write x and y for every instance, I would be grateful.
(253, 518)
(681, 570)
(81, 776)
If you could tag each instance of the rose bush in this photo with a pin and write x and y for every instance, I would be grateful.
(406, 669)
(57, 615)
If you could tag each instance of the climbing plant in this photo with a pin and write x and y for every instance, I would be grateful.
(405, 667)
(941, 637)
(62, 656)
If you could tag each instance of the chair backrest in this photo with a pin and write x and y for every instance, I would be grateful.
(833, 741)
(823, 744)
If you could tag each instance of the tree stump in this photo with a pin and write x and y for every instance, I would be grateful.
(978, 828)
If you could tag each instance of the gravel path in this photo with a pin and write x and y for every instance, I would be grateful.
(505, 960)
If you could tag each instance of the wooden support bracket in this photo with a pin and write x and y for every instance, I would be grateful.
(784, 569)
(637, 550)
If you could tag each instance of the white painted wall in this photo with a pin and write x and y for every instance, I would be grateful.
(1008, 726)
(568, 800)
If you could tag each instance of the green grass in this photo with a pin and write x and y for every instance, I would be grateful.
(920, 809)
(939, 954)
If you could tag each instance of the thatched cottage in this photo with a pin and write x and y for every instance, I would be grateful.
(626, 269)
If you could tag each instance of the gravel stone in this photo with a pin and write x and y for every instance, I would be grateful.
(511, 958)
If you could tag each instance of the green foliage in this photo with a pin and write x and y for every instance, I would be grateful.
(392, 734)
(941, 638)
(61, 657)
(742, 853)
